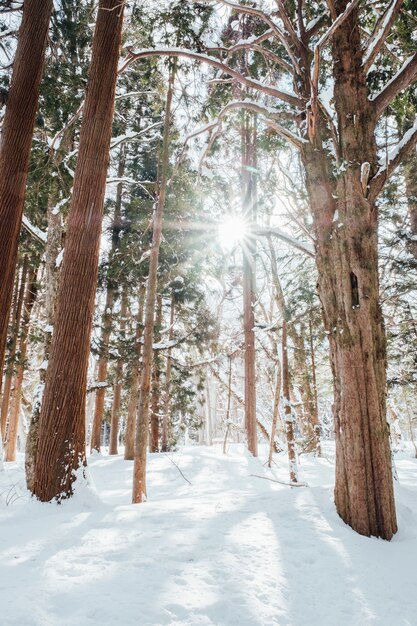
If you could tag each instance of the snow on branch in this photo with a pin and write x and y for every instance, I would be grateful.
(395, 157)
(33, 230)
(304, 247)
(403, 79)
(380, 32)
(252, 83)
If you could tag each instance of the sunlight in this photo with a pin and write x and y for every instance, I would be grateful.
(232, 231)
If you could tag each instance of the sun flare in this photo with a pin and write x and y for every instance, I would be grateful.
(232, 231)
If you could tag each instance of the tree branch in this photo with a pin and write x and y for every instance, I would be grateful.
(395, 157)
(403, 79)
(276, 232)
(381, 32)
(266, 19)
(197, 56)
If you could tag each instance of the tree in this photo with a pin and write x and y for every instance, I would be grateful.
(61, 446)
(17, 131)
(343, 180)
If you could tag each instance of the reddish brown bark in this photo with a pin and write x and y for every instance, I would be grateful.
(13, 423)
(16, 140)
(346, 256)
(61, 449)
(142, 423)
(117, 387)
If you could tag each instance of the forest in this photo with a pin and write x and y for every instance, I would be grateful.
(208, 312)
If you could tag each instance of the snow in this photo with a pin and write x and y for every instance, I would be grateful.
(385, 162)
(228, 549)
(34, 230)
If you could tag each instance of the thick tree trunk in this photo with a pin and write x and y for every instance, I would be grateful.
(134, 382)
(107, 318)
(347, 262)
(117, 387)
(16, 140)
(142, 424)
(17, 313)
(156, 380)
(61, 449)
(12, 428)
(166, 420)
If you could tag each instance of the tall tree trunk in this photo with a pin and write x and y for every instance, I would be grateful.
(118, 383)
(107, 318)
(289, 419)
(347, 262)
(156, 380)
(16, 141)
(134, 382)
(12, 429)
(166, 420)
(249, 297)
(61, 449)
(17, 312)
(142, 424)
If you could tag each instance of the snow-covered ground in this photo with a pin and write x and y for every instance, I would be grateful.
(230, 549)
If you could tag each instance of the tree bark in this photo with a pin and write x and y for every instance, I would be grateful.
(117, 387)
(12, 428)
(142, 424)
(16, 141)
(61, 449)
(347, 263)
(134, 382)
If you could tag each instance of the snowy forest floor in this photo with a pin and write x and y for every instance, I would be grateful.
(229, 549)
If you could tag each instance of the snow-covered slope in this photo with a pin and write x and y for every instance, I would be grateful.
(230, 549)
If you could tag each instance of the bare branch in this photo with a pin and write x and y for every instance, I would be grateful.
(304, 247)
(197, 56)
